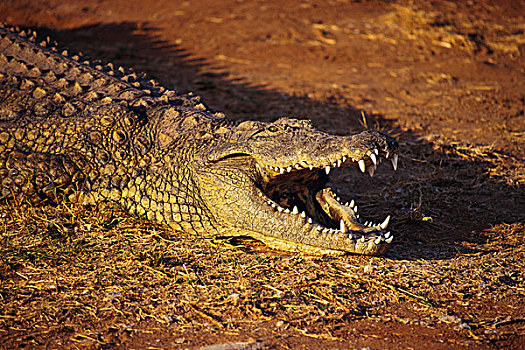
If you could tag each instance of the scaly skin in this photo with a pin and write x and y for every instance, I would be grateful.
(80, 130)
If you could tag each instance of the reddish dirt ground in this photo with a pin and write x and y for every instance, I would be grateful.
(447, 79)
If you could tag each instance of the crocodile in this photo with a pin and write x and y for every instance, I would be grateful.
(88, 132)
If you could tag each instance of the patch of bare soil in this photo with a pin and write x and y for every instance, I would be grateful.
(446, 78)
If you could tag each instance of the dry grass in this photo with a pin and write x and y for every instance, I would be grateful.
(82, 277)
(74, 276)
(452, 28)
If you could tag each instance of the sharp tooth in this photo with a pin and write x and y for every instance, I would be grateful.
(352, 203)
(371, 170)
(357, 216)
(370, 224)
(342, 226)
(327, 169)
(362, 165)
(384, 225)
(389, 239)
(363, 239)
(310, 220)
(297, 166)
(350, 236)
(303, 214)
(378, 240)
(374, 159)
(344, 159)
(325, 230)
(366, 223)
(376, 151)
(286, 210)
(355, 208)
(334, 165)
(346, 204)
(281, 170)
(319, 228)
(310, 166)
(273, 205)
(289, 169)
(338, 199)
(387, 155)
(280, 208)
(387, 234)
(338, 163)
(295, 210)
(394, 161)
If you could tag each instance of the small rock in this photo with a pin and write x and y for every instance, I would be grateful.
(449, 319)
(462, 326)
(235, 346)
(167, 318)
(114, 294)
(234, 297)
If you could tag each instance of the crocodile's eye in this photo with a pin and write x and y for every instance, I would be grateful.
(273, 128)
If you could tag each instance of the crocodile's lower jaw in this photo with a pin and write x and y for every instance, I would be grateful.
(289, 246)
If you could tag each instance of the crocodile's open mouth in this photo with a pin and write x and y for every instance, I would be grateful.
(301, 190)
